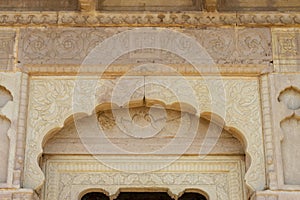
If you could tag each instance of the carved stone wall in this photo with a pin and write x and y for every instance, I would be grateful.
(50, 111)
(71, 46)
(285, 121)
(261, 84)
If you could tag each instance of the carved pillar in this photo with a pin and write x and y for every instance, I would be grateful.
(285, 93)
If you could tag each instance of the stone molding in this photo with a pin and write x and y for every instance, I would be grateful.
(268, 131)
(242, 113)
(119, 70)
(141, 19)
(220, 179)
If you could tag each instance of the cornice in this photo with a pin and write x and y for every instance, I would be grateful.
(120, 70)
(142, 19)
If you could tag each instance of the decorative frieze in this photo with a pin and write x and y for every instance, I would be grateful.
(70, 46)
(220, 179)
(181, 19)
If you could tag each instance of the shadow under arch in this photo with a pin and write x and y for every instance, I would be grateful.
(99, 192)
(141, 193)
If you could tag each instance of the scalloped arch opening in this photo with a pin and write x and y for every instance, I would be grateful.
(5, 96)
(229, 135)
(290, 97)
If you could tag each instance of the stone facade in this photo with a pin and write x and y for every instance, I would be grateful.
(107, 96)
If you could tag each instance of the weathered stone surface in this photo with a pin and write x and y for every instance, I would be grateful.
(241, 110)
(148, 5)
(7, 41)
(216, 177)
(149, 132)
(12, 114)
(38, 5)
(71, 46)
(258, 5)
(286, 114)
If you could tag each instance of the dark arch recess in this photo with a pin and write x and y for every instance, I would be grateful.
(143, 196)
(95, 196)
(192, 196)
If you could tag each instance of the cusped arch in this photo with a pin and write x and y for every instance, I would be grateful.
(37, 183)
(290, 96)
(208, 116)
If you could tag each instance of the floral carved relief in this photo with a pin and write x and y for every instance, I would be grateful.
(221, 185)
(242, 113)
(70, 46)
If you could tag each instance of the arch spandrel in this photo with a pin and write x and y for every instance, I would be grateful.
(242, 113)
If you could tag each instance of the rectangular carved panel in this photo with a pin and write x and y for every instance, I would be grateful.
(254, 5)
(157, 5)
(7, 41)
(39, 5)
(72, 45)
(286, 49)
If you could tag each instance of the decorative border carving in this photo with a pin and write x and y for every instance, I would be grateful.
(286, 49)
(188, 19)
(221, 179)
(48, 112)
